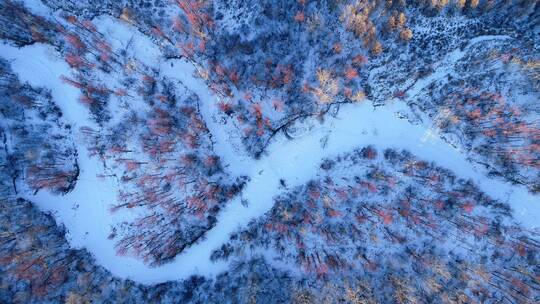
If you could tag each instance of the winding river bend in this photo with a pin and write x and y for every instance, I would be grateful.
(84, 211)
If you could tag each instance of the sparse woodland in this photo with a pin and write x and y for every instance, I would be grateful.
(37, 151)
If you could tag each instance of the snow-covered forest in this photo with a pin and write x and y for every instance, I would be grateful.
(197, 151)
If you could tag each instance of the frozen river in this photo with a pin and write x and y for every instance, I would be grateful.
(85, 213)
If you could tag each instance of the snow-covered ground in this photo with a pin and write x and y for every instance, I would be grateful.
(84, 211)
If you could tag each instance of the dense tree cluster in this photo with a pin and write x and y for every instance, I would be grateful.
(21, 27)
(410, 231)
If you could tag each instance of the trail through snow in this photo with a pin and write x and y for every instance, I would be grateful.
(295, 161)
